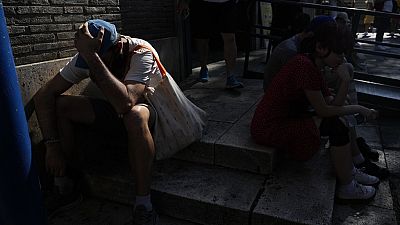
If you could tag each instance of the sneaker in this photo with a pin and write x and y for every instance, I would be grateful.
(366, 150)
(372, 169)
(364, 178)
(143, 217)
(232, 83)
(56, 202)
(357, 194)
(203, 75)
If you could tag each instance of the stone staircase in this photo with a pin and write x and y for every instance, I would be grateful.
(225, 178)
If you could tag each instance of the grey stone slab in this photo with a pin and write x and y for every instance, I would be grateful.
(395, 186)
(206, 195)
(166, 220)
(94, 211)
(370, 134)
(390, 130)
(390, 136)
(392, 160)
(301, 193)
(225, 105)
(33, 76)
(203, 150)
(389, 121)
(102, 212)
(112, 181)
(198, 193)
(362, 215)
(383, 197)
(236, 149)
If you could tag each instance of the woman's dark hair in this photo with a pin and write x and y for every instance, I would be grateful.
(337, 39)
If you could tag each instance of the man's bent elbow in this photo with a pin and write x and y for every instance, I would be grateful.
(124, 108)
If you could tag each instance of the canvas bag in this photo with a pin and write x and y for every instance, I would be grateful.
(179, 122)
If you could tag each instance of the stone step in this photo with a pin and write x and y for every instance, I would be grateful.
(379, 95)
(381, 210)
(227, 141)
(198, 193)
(300, 193)
(93, 211)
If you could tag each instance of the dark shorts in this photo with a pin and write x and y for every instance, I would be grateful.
(209, 18)
(107, 119)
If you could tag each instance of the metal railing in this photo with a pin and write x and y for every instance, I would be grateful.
(355, 13)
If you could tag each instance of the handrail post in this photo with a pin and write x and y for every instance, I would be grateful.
(355, 23)
(20, 196)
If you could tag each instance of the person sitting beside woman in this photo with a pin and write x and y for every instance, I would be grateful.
(361, 152)
(283, 118)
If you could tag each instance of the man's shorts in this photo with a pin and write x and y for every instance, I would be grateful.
(108, 121)
(210, 18)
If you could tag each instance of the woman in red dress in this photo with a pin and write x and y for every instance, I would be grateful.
(283, 118)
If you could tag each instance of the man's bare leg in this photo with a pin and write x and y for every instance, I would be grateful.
(70, 109)
(230, 55)
(230, 52)
(141, 150)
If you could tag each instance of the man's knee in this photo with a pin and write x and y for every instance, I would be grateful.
(136, 119)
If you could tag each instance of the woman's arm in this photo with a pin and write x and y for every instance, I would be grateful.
(323, 110)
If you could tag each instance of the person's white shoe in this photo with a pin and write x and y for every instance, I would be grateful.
(364, 178)
(356, 193)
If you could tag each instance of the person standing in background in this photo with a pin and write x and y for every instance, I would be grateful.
(210, 17)
(368, 19)
(382, 22)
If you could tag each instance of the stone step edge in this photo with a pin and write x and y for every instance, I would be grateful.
(199, 153)
(161, 198)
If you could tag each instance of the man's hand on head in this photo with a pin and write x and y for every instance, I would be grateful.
(85, 43)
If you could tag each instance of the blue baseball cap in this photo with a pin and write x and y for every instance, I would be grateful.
(109, 38)
(318, 21)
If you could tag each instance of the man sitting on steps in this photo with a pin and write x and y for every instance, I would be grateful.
(104, 57)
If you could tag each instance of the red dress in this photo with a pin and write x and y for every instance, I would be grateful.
(281, 118)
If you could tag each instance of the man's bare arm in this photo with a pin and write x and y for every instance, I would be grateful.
(45, 105)
(117, 93)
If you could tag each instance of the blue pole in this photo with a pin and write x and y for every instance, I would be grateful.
(20, 196)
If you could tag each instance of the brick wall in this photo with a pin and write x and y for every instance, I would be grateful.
(43, 30)
(148, 19)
